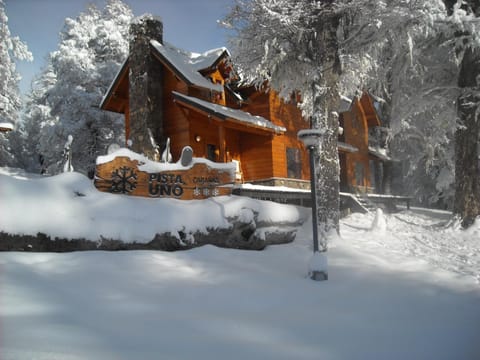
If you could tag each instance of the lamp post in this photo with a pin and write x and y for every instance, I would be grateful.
(318, 264)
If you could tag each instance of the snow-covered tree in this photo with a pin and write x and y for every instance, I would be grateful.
(294, 46)
(433, 93)
(38, 122)
(419, 56)
(11, 49)
(464, 24)
(91, 50)
(396, 50)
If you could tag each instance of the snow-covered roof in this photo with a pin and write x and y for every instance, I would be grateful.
(207, 59)
(379, 153)
(345, 104)
(186, 65)
(6, 126)
(226, 113)
(346, 147)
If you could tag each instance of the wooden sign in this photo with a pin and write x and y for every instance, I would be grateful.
(201, 180)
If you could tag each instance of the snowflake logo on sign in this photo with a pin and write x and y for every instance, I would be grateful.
(124, 180)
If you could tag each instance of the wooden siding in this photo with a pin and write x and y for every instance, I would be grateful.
(289, 116)
(256, 157)
(176, 124)
(356, 134)
(272, 107)
(369, 110)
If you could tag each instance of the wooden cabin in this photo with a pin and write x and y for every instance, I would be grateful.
(194, 99)
(5, 127)
(361, 160)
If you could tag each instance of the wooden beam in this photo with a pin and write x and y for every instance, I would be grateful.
(222, 143)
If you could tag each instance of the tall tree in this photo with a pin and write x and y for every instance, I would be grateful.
(433, 92)
(11, 49)
(38, 123)
(91, 50)
(300, 46)
(464, 18)
(293, 46)
(422, 56)
(396, 50)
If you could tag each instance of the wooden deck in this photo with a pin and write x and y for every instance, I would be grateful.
(348, 202)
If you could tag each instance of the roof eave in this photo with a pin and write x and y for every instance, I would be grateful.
(114, 84)
(222, 117)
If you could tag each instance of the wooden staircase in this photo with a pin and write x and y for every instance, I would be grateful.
(364, 202)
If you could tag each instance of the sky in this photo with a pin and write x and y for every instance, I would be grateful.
(188, 24)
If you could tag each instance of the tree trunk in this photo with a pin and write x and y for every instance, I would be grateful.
(325, 105)
(467, 170)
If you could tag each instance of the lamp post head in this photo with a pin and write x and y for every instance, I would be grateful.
(310, 137)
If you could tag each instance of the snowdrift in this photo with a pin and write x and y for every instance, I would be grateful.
(68, 208)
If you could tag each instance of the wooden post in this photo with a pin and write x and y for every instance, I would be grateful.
(222, 144)
(127, 126)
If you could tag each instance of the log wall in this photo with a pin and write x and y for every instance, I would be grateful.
(356, 134)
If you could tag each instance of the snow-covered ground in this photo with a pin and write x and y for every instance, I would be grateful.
(405, 288)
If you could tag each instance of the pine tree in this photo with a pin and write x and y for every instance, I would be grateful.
(433, 93)
(91, 50)
(464, 19)
(407, 51)
(293, 45)
(11, 49)
(38, 123)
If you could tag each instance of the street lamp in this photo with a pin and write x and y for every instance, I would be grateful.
(318, 264)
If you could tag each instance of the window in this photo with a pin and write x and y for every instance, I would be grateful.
(294, 163)
(212, 152)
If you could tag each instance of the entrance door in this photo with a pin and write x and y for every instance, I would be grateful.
(212, 152)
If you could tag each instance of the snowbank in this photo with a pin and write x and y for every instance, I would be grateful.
(410, 291)
(68, 206)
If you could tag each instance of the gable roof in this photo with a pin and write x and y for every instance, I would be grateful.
(345, 104)
(208, 59)
(111, 92)
(228, 114)
(366, 102)
(371, 114)
(185, 65)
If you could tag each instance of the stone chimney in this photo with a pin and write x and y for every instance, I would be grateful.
(146, 87)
